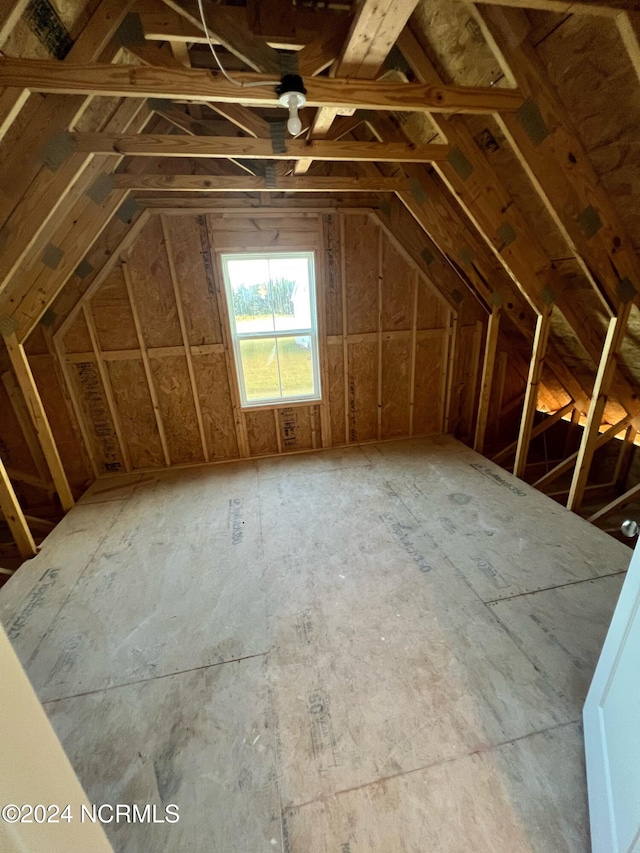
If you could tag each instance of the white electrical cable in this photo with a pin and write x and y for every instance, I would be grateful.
(235, 82)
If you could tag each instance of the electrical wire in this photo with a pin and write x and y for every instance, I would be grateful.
(241, 85)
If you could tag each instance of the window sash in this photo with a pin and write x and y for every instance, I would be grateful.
(309, 331)
(306, 331)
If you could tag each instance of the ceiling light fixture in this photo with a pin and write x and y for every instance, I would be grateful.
(291, 94)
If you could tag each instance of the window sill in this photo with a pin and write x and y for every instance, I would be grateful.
(282, 404)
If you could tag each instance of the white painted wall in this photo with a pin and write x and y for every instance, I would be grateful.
(35, 769)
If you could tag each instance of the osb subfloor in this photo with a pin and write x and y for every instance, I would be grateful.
(381, 649)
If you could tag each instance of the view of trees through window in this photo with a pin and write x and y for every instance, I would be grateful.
(254, 300)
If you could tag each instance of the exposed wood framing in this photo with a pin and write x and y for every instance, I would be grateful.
(229, 356)
(236, 36)
(192, 84)
(161, 22)
(604, 377)
(573, 195)
(485, 200)
(541, 338)
(486, 382)
(596, 492)
(12, 101)
(106, 384)
(602, 8)
(54, 192)
(14, 516)
(619, 502)
(319, 54)
(55, 115)
(35, 291)
(30, 480)
(183, 331)
(218, 147)
(625, 458)
(548, 422)
(374, 30)
(21, 412)
(629, 29)
(22, 370)
(147, 368)
(573, 431)
(324, 276)
(243, 118)
(398, 405)
(458, 231)
(428, 204)
(239, 183)
(569, 463)
(114, 255)
(90, 44)
(257, 202)
(408, 234)
(10, 13)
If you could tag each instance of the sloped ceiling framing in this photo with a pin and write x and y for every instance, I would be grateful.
(448, 115)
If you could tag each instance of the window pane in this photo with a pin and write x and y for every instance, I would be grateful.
(291, 293)
(296, 369)
(260, 368)
(249, 282)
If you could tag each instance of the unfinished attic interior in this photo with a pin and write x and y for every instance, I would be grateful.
(319, 411)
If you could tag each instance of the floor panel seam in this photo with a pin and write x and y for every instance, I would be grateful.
(557, 586)
(429, 765)
(154, 678)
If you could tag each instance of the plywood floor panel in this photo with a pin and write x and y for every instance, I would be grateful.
(140, 600)
(517, 798)
(207, 747)
(341, 632)
(562, 630)
(500, 532)
(42, 586)
(305, 654)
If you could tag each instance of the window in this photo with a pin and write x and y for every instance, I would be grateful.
(272, 309)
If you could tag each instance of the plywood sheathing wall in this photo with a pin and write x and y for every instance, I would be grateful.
(145, 401)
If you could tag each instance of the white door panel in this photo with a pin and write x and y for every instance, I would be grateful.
(612, 727)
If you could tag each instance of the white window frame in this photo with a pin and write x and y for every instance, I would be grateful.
(237, 336)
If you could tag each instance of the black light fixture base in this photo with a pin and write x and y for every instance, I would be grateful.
(291, 83)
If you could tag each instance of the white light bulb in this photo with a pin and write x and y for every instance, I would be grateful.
(294, 125)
